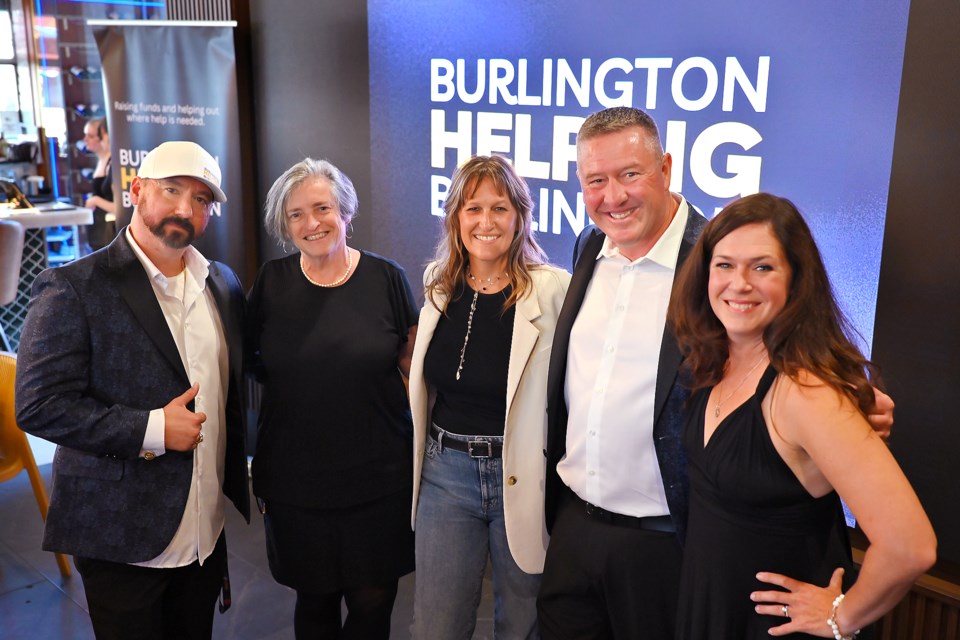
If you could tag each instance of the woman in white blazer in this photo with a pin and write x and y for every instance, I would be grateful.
(478, 383)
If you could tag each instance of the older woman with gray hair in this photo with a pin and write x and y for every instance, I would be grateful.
(330, 330)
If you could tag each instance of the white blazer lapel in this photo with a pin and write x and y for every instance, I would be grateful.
(525, 337)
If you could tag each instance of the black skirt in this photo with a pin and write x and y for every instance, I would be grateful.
(326, 550)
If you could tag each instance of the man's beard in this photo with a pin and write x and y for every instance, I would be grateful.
(175, 240)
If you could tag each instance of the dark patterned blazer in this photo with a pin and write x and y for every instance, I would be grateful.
(95, 357)
(671, 394)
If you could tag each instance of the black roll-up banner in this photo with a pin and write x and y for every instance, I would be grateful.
(172, 80)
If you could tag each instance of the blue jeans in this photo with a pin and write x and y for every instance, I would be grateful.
(459, 524)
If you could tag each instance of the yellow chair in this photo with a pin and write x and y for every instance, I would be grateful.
(15, 453)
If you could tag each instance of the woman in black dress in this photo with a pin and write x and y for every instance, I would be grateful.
(103, 229)
(331, 329)
(776, 435)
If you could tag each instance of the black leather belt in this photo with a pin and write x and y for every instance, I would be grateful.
(474, 446)
(663, 524)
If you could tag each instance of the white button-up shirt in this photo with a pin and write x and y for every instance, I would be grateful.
(611, 378)
(191, 313)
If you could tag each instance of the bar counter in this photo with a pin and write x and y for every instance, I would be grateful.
(46, 224)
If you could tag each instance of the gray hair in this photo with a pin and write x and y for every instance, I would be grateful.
(618, 119)
(275, 219)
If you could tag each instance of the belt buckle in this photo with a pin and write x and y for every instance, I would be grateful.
(472, 445)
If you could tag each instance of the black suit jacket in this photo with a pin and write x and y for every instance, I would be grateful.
(671, 394)
(95, 357)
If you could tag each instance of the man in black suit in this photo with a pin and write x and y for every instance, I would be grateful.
(131, 362)
(616, 486)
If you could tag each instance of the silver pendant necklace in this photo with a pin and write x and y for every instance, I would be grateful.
(483, 284)
(466, 338)
(716, 410)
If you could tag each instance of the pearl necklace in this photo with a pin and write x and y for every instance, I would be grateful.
(335, 283)
(716, 410)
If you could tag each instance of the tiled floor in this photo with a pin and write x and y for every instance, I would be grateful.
(37, 604)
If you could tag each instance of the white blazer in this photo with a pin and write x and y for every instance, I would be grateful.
(525, 430)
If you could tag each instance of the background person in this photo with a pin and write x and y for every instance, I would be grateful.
(330, 330)
(777, 427)
(477, 389)
(131, 361)
(103, 229)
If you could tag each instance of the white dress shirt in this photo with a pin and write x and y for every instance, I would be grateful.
(191, 313)
(611, 378)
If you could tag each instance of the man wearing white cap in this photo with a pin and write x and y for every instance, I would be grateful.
(130, 361)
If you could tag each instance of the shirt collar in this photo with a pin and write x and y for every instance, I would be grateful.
(665, 251)
(193, 260)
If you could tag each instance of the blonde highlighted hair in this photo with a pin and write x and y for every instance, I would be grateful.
(451, 256)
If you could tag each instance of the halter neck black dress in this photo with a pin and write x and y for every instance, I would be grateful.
(749, 513)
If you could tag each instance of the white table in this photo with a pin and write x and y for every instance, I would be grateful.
(39, 222)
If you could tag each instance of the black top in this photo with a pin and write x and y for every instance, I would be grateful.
(101, 232)
(335, 427)
(749, 513)
(476, 404)
(103, 185)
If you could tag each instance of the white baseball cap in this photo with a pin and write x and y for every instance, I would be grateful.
(181, 158)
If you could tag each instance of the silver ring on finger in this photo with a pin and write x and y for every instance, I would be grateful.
(786, 611)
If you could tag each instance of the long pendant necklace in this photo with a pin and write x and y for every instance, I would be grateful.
(335, 283)
(716, 411)
(483, 284)
(466, 338)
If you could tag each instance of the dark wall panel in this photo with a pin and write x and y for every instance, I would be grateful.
(917, 335)
(312, 96)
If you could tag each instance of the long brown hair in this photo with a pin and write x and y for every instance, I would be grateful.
(811, 332)
(524, 253)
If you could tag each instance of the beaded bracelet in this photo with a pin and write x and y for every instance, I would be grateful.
(832, 622)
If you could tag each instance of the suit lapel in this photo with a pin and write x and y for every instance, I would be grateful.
(582, 273)
(525, 337)
(584, 265)
(670, 357)
(135, 289)
(231, 322)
